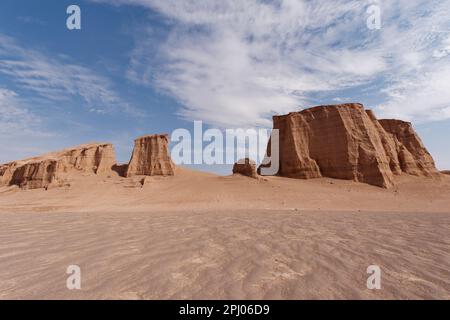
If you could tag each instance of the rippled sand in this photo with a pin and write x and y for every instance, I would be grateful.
(282, 246)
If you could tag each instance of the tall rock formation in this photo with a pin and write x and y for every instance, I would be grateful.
(54, 168)
(151, 157)
(348, 142)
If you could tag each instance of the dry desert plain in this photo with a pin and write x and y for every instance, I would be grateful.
(201, 236)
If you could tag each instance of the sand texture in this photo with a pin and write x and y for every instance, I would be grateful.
(198, 235)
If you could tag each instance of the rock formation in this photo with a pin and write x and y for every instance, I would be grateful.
(446, 172)
(151, 157)
(348, 142)
(53, 168)
(413, 157)
(245, 167)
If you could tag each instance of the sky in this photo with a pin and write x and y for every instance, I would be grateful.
(151, 66)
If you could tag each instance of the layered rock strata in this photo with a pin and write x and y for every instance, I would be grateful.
(151, 157)
(348, 142)
(53, 168)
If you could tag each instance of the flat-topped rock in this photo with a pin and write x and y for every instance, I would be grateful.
(53, 168)
(151, 157)
(348, 142)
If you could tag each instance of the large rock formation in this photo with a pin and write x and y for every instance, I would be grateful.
(348, 142)
(151, 157)
(245, 167)
(54, 168)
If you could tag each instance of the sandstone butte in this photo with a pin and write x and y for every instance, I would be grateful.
(348, 142)
(245, 167)
(150, 157)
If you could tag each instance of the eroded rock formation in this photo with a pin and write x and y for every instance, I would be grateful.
(151, 157)
(54, 168)
(245, 167)
(348, 142)
(412, 155)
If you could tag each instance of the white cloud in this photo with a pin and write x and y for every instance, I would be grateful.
(57, 79)
(237, 62)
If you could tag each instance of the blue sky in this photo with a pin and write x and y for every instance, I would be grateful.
(150, 66)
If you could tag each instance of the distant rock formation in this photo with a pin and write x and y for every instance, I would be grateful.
(151, 157)
(348, 142)
(245, 167)
(444, 172)
(53, 168)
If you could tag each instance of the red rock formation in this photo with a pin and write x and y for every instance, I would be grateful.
(245, 167)
(151, 157)
(53, 168)
(412, 155)
(347, 142)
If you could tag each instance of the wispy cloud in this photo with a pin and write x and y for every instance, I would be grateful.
(237, 62)
(13, 116)
(58, 79)
(31, 20)
(22, 132)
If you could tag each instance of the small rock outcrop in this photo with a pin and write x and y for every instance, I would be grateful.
(245, 167)
(53, 168)
(151, 157)
(446, 172)
(348, 142)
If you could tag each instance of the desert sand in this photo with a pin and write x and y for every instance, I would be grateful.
(200, 236)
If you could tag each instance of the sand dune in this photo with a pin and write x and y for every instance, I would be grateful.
(197, 235)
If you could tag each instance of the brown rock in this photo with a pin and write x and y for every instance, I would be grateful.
(446, 172)
(347, 142)
(245, 167)
(151, 157)
(412, 155)
(120, 169)
(53, 168)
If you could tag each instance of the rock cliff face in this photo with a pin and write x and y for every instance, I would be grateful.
(412, 155)
(151, 157)
(348, 142)
(245, 167)
(54, 168)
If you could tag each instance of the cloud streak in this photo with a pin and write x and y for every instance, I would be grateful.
(57, 79)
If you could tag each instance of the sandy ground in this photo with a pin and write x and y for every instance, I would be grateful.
(201, 236)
